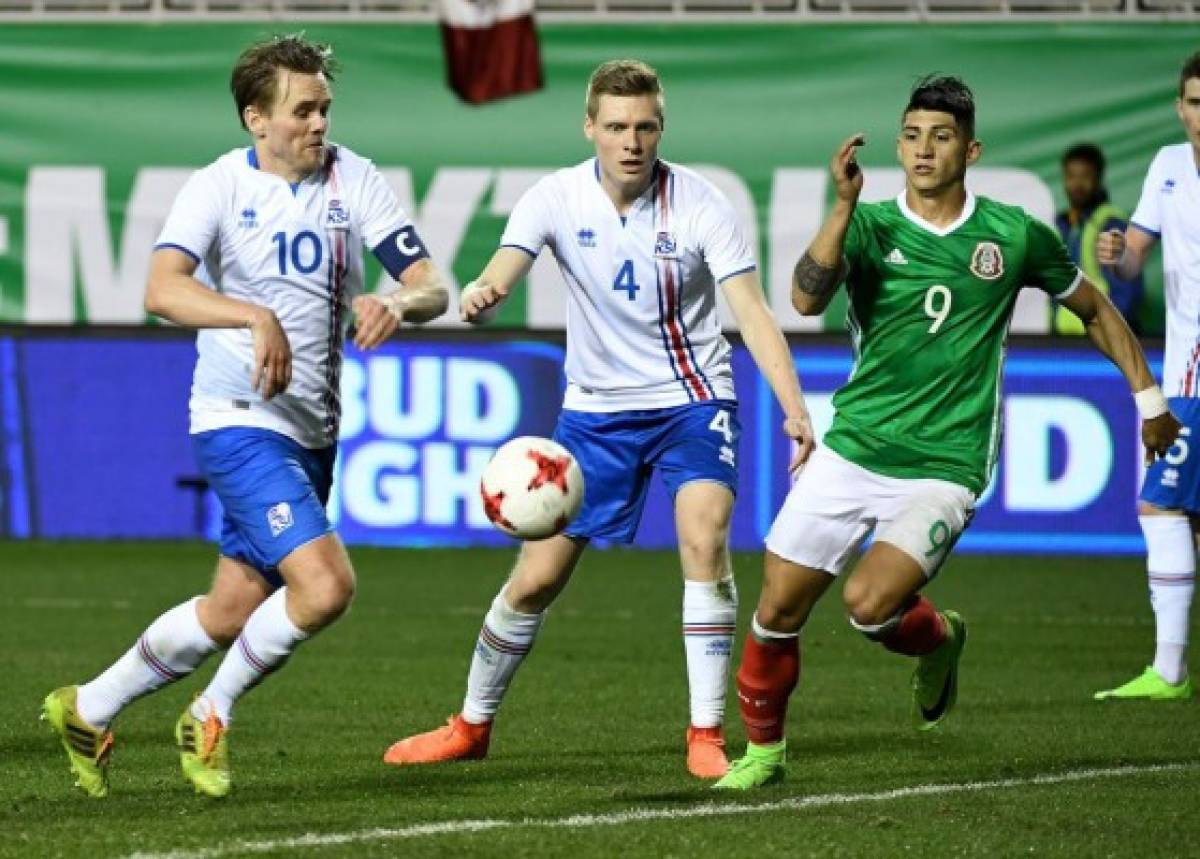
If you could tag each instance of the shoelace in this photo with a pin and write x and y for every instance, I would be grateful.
(212, 735)
(104, 748)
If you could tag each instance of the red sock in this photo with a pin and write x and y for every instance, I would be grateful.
(765, 679)
(921, 629)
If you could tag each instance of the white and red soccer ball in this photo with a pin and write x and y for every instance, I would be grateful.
(532, 488)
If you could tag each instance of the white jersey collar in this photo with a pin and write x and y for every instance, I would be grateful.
(968, 210)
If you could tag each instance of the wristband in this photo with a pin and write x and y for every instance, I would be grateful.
(1150, 403)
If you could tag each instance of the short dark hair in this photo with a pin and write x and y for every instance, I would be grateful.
(1191, 69)
(1089, 153)
(946, 94)
(256, 72)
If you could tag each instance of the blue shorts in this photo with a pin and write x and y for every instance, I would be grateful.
(1173, 482)
(618, 451)
(273, 491)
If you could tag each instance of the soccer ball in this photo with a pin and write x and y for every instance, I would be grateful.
(532, 488)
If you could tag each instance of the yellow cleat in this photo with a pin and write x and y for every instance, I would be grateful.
(88, 748)
(204, 753)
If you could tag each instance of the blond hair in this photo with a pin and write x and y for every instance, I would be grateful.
(623, 78)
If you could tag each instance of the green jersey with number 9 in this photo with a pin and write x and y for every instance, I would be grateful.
(929, 312)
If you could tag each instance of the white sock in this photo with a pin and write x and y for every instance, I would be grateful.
(171, 648)
(709, 616)
(266, 642)
(504, 641)
(1171, 564)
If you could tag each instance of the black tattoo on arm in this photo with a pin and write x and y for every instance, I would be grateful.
(812, 278)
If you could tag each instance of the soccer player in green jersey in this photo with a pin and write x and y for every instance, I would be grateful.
(932, 278)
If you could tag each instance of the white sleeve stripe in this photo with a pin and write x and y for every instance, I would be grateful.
(751, 267)
(1070, 289)
(176, 247)
(520, 248)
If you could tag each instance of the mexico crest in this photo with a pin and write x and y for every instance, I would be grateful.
(987, 262)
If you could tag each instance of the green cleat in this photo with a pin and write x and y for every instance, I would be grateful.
(204, 753)
(88, 748)
(1149, 686)
(935, 682)
(762, 765)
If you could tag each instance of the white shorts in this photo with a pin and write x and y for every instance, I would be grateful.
(834, 505)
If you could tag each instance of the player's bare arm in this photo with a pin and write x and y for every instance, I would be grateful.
(421, 296)
(770, 351)
(483, 296)
(173, 293)
(823, 265)
(1126, 252)
(1109, 331)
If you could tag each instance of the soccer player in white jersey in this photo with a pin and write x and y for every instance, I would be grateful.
(259, 253)
(641, 244)
(1169, 506)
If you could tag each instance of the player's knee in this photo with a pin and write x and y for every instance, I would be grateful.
(325, 598)
(867, 607)
(781, 618)
(531, 594)
(223, 619)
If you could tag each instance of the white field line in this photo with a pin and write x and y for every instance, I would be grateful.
(314, 840)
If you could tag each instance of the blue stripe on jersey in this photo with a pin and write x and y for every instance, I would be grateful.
(1145, 230)
(662, 329)
(687, 341)
(174, 246)
(521, 248)
(736, 273)
(252, 157)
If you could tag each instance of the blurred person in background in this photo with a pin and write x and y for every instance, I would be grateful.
(1089, 213)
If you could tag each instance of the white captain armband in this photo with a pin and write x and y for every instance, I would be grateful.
(1150, 403)
(400, 250)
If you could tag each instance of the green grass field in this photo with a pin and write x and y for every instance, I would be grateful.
(593, 729)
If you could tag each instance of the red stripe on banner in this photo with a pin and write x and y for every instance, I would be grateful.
(681, 358)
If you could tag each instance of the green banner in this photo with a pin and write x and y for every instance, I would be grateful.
(103, 122)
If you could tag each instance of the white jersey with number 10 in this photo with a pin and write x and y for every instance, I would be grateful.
(296, 249)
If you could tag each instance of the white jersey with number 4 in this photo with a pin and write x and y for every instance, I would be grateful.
(1170, 209)
(643, 331)
(296, 249)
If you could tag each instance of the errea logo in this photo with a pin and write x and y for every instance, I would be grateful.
(248, 218)
(587, 237)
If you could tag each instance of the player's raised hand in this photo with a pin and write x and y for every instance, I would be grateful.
(479, 302)
(1110, 245)
(847, 175)
(1159, 434)
(376, 319)
(799, 429)
(272, 372)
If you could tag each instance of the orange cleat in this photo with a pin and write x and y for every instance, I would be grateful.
(459, 740)
(706, 752)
